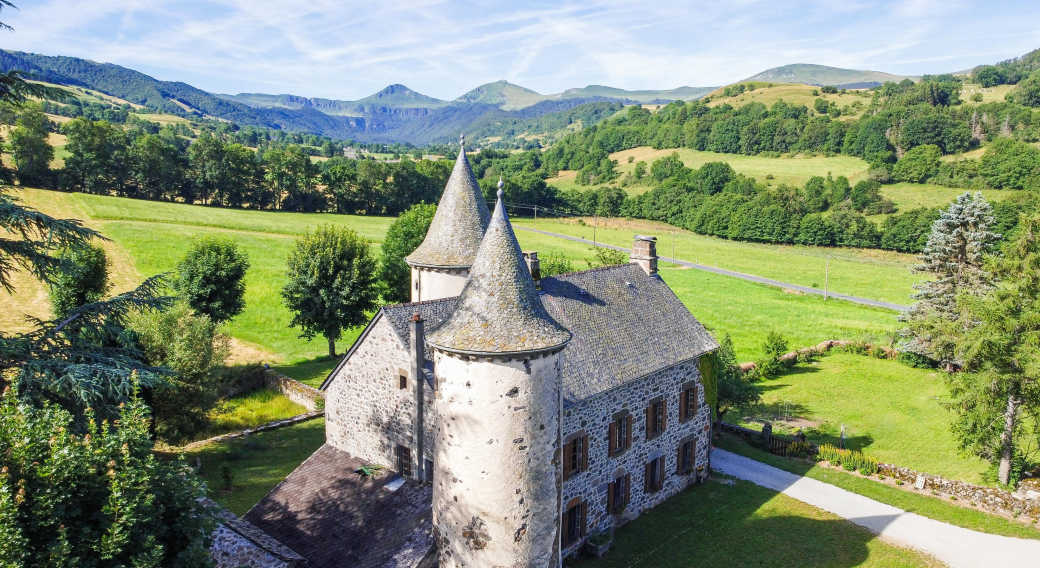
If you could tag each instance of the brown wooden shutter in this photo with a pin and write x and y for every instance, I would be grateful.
(568, 451)
(585, 452)
(628, 487)
(660, 473)
(693, 454)
(647, 485)
(628, 433)
(584, 518)
(693, 402)
(678, 459)
(664, 415)
(649, 421)
(611, 488)
(612, 439)
(565, 527)
(682, 407)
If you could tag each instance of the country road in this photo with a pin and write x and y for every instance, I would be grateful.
(741, 275)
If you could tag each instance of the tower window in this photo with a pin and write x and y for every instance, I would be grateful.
(402, 381)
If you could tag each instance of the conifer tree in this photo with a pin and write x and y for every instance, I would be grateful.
(953, 256)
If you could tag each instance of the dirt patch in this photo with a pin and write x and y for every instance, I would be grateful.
(242, 353)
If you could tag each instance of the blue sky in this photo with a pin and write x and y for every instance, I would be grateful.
(350, 49)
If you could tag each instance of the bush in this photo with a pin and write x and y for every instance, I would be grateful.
(915, 360)
(211, 277)
(83, 280)
(775, 346)
(191, 346)
(555, 263)
(799, 449)
(101, 499)
(603, 256)
(918, 164)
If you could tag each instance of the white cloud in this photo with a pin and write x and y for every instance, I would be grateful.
(445, 47)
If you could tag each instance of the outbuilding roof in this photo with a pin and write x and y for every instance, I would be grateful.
(459, 224)
(499, 311)
(626, 324)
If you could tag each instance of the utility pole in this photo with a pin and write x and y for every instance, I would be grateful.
(536, 217)
(594, 217)
(826, 278)
(673, 250)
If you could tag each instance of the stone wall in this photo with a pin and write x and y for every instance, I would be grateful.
(988, 498)
(237, 543)
(367, 414)
(594, 417)
(304, 395)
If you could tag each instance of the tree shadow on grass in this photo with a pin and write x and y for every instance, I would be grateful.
(311, 372)
(716, 524)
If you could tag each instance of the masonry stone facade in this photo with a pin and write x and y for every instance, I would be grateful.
(593, 417)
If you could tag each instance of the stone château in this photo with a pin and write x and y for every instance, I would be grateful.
(515, 416)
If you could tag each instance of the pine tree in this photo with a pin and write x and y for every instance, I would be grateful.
(953, 256)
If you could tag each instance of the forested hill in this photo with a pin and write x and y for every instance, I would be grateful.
(393, 115)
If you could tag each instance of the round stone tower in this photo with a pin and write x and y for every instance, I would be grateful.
(498, 365)
(440, 266)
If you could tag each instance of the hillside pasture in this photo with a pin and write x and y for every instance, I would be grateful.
(908, 196)
(791, 93)
(989, 94)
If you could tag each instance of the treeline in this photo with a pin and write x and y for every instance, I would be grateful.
(898, 118)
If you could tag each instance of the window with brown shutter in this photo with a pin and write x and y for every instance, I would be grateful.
(619, 435)
(575, 455)
(584, 518)
(656, 419)
(619, 492)
(575, 522)
(655, 474)
(688, 404)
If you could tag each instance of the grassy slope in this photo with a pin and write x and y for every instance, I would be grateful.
(257, 464)
(744, 525)
(890, 411)
(921, 504)
(791, 93)
(908, 196)
(869, 273)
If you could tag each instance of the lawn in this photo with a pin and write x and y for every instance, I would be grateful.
(257, 463)
(890, 411)
(249, 411)
(744, 525)
(924, 505)
(311, 372)
(868, 273)
(909, 196)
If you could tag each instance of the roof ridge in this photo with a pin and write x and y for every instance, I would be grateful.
(597, 269)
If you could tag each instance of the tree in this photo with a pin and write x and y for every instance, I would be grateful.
(989, 76)
(30, 147)
(1010, 164)
(603, 256)
(98, 160)
(211, 277)
(953, 257)
(158, 168)
(999, 351)
(100, 498)
(83, 281)
(403, 236)
(192, 347)
(1028, 91)
(332, 276)
(918, 164)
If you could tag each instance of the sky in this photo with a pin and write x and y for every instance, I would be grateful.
(351, 49)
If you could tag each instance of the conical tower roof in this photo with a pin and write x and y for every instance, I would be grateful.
(499, 311)
(459, 224)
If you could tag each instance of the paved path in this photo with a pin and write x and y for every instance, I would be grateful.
(741, 275)
(957, 547)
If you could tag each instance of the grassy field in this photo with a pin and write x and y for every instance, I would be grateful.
(869, 273)
(989, 94)
(909, 196)
(791, 93)
(249, 411)
(922, 504)
(311, 372)
(257, 464)
(744, 525)
(150, 238)
(890, 411)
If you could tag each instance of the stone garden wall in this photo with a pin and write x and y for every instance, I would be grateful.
(304, 395)
(1022, 502)
(237, 543)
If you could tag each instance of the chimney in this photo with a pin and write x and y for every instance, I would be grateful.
(531, 258)
(644, 253)
(418, 357)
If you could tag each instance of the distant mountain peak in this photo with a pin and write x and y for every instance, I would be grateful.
(812, 74)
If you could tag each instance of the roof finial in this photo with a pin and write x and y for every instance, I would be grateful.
(500, 184)
(462, 138)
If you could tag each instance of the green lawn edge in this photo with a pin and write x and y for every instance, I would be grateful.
(923, 505)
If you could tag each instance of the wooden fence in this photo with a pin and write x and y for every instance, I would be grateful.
(777, 443)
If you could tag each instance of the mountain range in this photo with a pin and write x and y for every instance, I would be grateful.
(397, 113)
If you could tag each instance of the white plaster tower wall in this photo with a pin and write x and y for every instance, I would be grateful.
(436, 283)
(495, 493)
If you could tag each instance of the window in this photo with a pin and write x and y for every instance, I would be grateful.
(688, 404)
(404, 461)
(687, 457)
(656, 418)
(402, 381)
(575, 454)
(428, 470)
(655, 474)
(619, 492)
(575, 521)
(619, 437)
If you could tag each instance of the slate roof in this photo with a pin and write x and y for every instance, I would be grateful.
(626, 324)
(499, 310)
(459, 224)
(334, 517)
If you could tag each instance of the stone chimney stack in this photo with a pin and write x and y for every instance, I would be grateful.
(644, 253)
(417, 347)
(531, 258)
